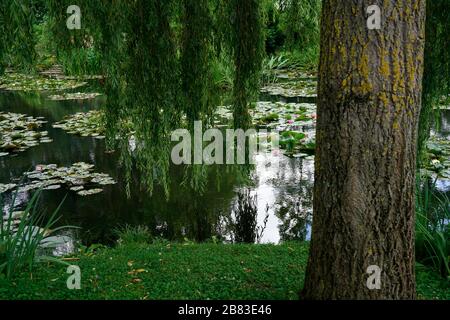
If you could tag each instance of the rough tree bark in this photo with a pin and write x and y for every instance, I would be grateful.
(368, 109)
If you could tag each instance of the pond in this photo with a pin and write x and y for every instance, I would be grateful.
(283, 192)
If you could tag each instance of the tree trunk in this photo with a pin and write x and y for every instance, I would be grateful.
(368, 108)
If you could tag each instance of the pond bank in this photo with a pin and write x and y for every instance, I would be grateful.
(165, 270)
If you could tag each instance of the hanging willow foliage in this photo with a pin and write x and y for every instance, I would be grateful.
(436, 82)
(74, 48)
(156, 59)
(153, 87)
(17, 41)
(248, 49)
(302, 23)
(196, 58)
(3, 14)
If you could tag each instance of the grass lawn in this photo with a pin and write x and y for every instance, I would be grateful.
(191, 271)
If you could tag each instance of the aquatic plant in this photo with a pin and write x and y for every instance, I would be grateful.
(78, 178)
(433, 228)
(270, 66)
(292, 89)
(85, 124)
(21, 234)
(18, 132)
(133, 234)
(243, 221)
(290, 140)
(438, 157)
(74, 96)
(22, 82)
(270, 118)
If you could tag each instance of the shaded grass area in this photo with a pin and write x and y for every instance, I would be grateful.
(185, 271)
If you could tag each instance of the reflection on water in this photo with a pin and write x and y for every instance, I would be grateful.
(283, 192)
(443, 185)
(444, 124)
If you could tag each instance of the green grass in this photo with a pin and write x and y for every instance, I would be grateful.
(430, 285)
(185, 271)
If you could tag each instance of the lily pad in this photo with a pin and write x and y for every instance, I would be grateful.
(83, 124)
(78, 177)
(90, 192)
(6, 187)
(74, 96)
(439, 155)
(18, 132)
(306, 88)
(21, 82)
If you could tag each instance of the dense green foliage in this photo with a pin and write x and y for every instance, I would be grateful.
(302, 24)
(17, 41)
(436, 82)
(432, 229)
(164, 61)
(196, 58)
(159, 49)
(248, 43)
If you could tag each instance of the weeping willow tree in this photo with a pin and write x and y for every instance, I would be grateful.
(153, 85)
(17, 41)
(156, 59)
(77, 50)
(196, 58)
(436, 82)
(302, 23)
(2, 36)
(248, 51)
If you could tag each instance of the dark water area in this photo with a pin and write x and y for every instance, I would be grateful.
(284, 192)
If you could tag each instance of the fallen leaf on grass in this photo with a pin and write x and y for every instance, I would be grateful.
(70, 259)
(136, 280)
(134, 272)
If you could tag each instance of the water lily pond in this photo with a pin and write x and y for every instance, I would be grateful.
(61, 150)
(77, 166)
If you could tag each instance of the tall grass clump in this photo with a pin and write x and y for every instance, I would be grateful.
(271, 64)
(432, 228)
(222, 71)
(21, 235)
(133, 234)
